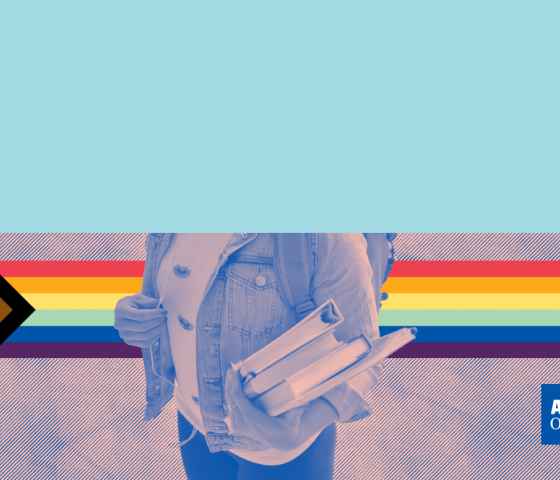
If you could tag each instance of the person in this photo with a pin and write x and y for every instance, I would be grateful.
(210, 300)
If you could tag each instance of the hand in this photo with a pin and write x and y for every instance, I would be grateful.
(138, 320)
(284, 432)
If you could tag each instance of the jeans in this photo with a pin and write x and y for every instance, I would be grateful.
(315, 463)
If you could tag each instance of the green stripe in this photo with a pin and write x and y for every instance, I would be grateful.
(388, 318)
(69, 318)
(504, 318)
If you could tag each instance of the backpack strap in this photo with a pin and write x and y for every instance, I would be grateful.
(381, 258)
(293, 264)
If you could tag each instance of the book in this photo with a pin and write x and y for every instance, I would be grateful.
(332, 363)
(290, 364)
(320, 321)
(308, 360)
(328, 365)
(311, 384)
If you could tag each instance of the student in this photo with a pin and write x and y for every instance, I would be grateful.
(201, 309)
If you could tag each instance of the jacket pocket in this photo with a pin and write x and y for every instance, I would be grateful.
(255, 312)
(257, 275)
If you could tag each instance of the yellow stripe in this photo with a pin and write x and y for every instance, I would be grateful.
(74, 301)
(396, 301)
(76, 284)
(428, 301)
(472, 285)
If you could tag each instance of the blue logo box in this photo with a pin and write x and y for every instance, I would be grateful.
(550, 414)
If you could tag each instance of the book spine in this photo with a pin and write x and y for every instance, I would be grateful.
(323, 319)
(276, 397)
(326, 367)
(291, 364)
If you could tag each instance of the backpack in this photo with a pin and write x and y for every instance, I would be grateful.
(293, 265)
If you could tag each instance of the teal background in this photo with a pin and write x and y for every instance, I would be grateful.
(260, 116)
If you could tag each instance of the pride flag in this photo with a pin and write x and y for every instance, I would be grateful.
(461, 308)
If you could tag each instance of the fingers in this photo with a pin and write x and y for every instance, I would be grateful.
(233, 387)
(145, 302)
(135, 326)
(143, 315)
(138, 307)
(236, 396)
(230, 379)
(138, 320)
(238, 421)
(233, 380)
(280, 432)
(134, 313)
(147, 314)
(259, 420)
(141, 339)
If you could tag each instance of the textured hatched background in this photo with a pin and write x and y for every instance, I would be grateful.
(435, 418)
(408, 246)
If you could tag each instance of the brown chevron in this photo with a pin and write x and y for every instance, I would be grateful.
(4, 309)
(14, 309)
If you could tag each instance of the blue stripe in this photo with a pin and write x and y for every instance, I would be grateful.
(425, 334)
(65, 335)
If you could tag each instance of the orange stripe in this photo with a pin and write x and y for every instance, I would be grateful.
(76, 284)
(472, 285)
(394, 284)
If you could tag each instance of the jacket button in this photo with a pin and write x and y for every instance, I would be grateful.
(185, 323)
(181, 271)
(260, 280)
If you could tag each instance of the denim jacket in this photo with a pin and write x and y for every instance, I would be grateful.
(239, 315)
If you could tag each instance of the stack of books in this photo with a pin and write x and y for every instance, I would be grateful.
(307, 361)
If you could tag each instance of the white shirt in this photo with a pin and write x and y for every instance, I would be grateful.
(182, 280)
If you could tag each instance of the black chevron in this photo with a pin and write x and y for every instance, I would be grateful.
(20, 309)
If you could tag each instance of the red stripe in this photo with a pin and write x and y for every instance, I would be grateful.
(461, 268)
(135, 268)
(71, 268)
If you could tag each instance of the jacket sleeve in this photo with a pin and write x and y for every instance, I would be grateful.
(148, 286)
(343, 272)
(158, 364)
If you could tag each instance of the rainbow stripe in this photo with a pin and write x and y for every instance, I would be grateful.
(462, 308)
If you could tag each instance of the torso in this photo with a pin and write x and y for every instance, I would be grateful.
(253, 315)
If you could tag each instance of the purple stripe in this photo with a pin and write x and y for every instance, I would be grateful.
(479, 350)
(415, 350)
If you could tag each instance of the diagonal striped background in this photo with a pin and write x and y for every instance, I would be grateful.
(441, 418)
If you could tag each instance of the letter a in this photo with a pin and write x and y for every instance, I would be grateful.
(555, 407)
